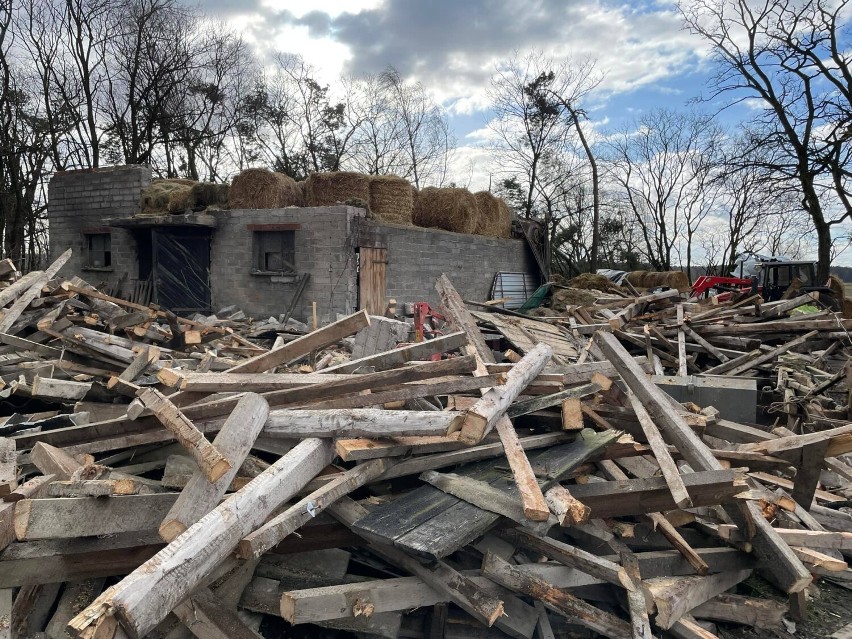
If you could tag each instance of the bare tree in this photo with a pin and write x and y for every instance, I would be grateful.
(662, 165)
(785, 52)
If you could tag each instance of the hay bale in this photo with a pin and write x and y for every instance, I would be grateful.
(326, 189)
(207, 194)
(263, 189)
(495, 217)
(155, 198)
(504, 219)
(655, 279)
(292, 193)
(449, 209)
(391, 199)
(590, 282)
(563, 297)
(179, 199)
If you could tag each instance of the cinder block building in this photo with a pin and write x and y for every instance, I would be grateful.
(266, 261)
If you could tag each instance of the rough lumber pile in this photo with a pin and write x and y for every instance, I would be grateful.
(561, 493)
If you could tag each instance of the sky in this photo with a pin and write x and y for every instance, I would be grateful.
(453, 48)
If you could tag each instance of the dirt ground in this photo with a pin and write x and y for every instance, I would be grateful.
(828, 610)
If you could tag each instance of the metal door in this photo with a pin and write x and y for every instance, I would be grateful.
(181, 269)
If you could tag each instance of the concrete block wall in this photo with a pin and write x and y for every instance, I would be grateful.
(80, 200)
(322, 241)
(418, 256)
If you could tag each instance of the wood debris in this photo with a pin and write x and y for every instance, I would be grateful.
(157, 470)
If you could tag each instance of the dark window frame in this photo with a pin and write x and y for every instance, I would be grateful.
(274, 251)
(103, 252)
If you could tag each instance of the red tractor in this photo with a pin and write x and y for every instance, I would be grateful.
(774, 278)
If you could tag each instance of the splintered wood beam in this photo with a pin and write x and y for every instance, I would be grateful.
(572, 557)
(59, 390)
(51, 460)
(357, 422)
(749, 611)
(559, 601)
(816, 538)
(569, 510)
(533, 404)
(785, 569)
(15, 289)
(662, 524)
(8, 466)
(11, 315)
(276, 529)
(484, 415)
(399, 356)
(470, 597)
(211, 462)
(320, 338)
(322, 388)
(234, 442)
(66, 517)
(207, 617)
(35, 487)
(661, 453)
(94, 488)
(144, 598)
(535, 507)
(485, 496)
(676, 596)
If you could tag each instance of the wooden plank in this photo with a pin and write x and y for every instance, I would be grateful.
(462, 319)
(31, 610)
(234, 442)
(61, 518)
(400, 356)
(6, 613)
(282, 525)
(320, 338)
(676, 596)
(749, 611)
(463, 592)
(212, 463)
(207, 617)
(569, 510)
(145, 597)
(59, 389)
(640, 496)
(51, 460)
(681, 344)
(14, 312)
(560, 601)
(661, 452)
(17, 288)
(75, 596)
(785, 568)
(357, 422)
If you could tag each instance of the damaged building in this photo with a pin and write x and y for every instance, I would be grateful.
(268, 261)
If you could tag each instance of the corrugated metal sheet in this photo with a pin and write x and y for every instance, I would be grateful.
(517, 286)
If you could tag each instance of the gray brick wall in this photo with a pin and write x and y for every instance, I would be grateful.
(82, 199)
(417, 257)
(326, 247)
(323, 250)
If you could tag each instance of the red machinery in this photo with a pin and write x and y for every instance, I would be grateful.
(422, 312)
(725, 286)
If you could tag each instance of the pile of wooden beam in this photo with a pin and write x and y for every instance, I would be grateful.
(558, 494)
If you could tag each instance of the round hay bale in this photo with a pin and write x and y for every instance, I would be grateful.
(291, 193)
(257, 189)
(504, 219)
(449, 209)
(486, 224)
(391, 199)
(326, 189)
(179, 199)
(207, 194)
(637, 278)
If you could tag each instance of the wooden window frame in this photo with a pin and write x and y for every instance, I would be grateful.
(106, 253)
(262, 234)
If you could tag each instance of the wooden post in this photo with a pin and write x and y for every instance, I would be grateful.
(781, 563)
(482, 417)
(34, 291)
(211, 462)
(144, 598)
(234, 441)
